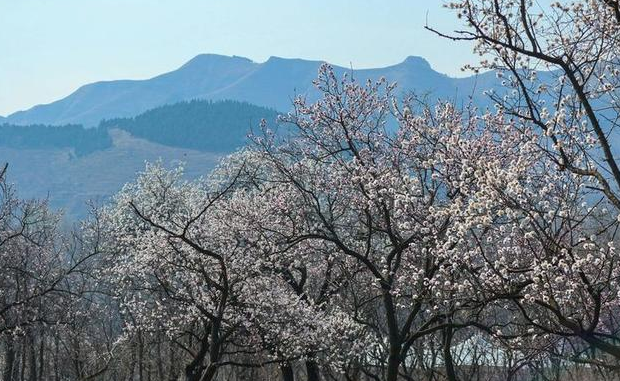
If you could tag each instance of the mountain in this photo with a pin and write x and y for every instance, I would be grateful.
(271, 84)
(103, 100)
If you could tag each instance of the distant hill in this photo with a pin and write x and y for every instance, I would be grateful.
(208, 126)
(70, 182)
(270, 84)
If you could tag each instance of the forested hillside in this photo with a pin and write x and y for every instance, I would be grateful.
(80, 140)
(201, 125)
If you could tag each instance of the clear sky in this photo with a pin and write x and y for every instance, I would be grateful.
(48, 48)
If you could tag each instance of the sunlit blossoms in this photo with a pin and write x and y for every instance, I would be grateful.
(362, 231)
(366, 236)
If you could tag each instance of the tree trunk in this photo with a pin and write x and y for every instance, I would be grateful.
(22, 356)
(287, 372)
(193, 370)
(9, 364)
(56, 357)
(447, 355)
(140, 356)
(313, 371)
(160, 360)
(395, 343)
(214, 352)
(32, 373)
(393, 363)
(42, 358)
(173, 369)
(209, 374)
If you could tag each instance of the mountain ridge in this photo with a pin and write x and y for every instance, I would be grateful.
(270, 84)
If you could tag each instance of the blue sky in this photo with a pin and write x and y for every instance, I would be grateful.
(48, 48)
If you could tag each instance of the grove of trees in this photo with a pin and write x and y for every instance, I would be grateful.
(81, 140)
(220, 126)
(465, 244)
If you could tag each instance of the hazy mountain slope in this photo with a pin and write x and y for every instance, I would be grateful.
(271, 84)
(73, 165)
(70, 181)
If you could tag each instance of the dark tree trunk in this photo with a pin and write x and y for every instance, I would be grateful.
(9, 365)
(214, 351)
(193, 370)
(173, 369)
(32, 373)
(160, 360)
(140, 356)
(77, 362)
(395, 343)
(447, 355)
(314, 374)
(393, 363)
(56, 358)
(287, 372)
(42, 357)
(209, 374)
(22, 356)
(132, 364)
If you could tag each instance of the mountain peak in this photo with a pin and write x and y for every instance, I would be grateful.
(209, 59)
(416, 62)
(275, 59)
(280, 60)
